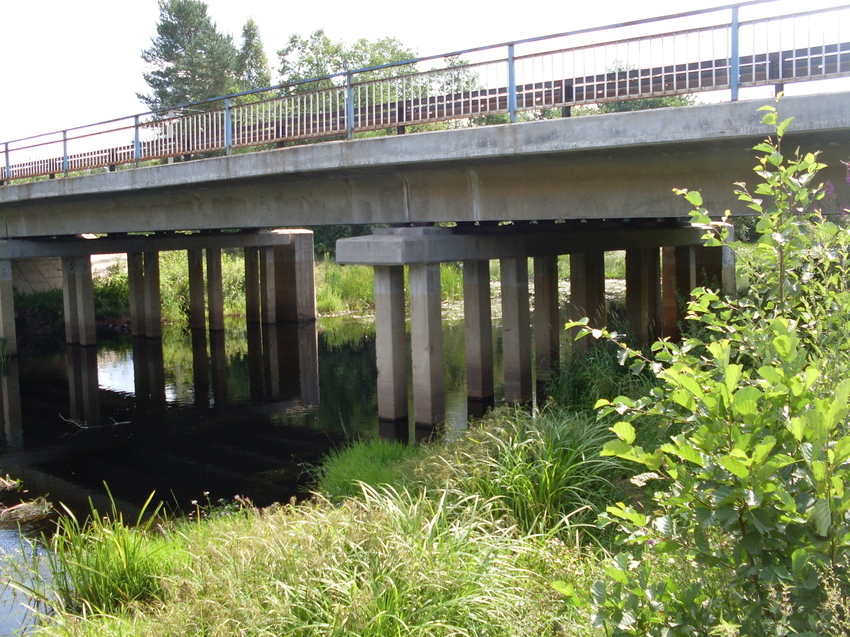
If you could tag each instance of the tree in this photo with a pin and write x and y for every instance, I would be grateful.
(318, 56)
(190, 59)
(645, 103)
(252, 65)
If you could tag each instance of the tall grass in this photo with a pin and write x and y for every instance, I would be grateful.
(387, 563)
(103, 565)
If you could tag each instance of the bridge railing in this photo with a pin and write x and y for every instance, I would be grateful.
(705, 50)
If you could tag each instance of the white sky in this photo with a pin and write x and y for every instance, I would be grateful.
(68, 63)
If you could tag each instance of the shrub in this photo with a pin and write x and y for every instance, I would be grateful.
(756, 478)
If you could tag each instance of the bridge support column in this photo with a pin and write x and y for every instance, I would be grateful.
(7, 308)
(197, 303)
(391, 343)
(547, 344)
(587, 290)
(478, 325)
(516, 330)
(215, 290)
(678, 270)
(78, 297)
(287, 280)
(643, 293)
(145, 299)
(426, 342)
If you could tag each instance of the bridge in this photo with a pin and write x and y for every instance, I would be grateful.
(563, 185)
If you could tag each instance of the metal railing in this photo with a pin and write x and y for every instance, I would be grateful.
(706, 50)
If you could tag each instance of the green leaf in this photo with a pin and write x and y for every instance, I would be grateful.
(821, 517)
(597, 590)
(735, 466)
(783, 126)
(745, 402)
(694, 198)
(625, 431)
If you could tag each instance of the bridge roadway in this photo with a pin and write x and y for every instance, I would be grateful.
(611, 166)
(613, 171)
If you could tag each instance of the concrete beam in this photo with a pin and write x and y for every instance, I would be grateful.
(404, 246)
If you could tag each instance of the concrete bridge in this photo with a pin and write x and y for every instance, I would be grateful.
(576, 186)
(538, 189)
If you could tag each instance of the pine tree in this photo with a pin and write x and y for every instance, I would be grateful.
(252, 65)
(190, 60)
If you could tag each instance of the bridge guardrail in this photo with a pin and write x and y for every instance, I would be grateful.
(637, 64)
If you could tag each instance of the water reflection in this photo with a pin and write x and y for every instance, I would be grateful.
(197, 415)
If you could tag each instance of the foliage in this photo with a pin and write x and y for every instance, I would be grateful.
(189, 60)
(252, 65)
(319, 56)
(645, 103)
(756, 471)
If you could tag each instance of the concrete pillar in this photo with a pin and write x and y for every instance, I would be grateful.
(391, 342)
(268, 290)
(426, 339)
(78, 298)
(197, 303)
(7, 308)
(136, 285)
(516, 330)
(643, 293)
(85, 300)
(478, 326)
(69, 301)
(286, 283)
(305, 280)
(252, 285)
(215, 289)
(152, 297)
(587, 291)
(678, 271)
(547, 344)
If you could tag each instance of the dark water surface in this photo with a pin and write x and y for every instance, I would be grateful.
(197, 417)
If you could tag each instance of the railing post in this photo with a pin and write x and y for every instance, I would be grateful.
(65, 152)
(511, 84)
(735, 66)
(137, 147)
(349, 106)
(8, 163)
(228, 127)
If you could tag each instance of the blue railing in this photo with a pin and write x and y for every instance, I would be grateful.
(705, 50)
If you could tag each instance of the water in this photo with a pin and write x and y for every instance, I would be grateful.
(195, 419)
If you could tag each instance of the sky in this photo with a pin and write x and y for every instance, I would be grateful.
(67, 64)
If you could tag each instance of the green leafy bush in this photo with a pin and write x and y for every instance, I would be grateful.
(756, 500)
